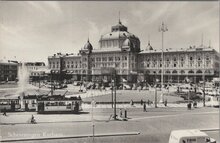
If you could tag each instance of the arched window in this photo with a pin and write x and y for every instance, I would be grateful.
(167, 71)
(198, 71)
(191, 71)
(207, 71)
(182, 71)
(175, 71)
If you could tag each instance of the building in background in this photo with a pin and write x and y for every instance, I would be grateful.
(36, 70)
(8, 70)
(121, 50)
(193, 64)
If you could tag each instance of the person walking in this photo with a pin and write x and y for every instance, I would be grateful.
(165, 103)
(148, 102)
(141, 102)
(132, 103)
(144, 107)
(120, 113)
(4, 112)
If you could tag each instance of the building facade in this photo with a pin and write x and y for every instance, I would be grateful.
(8, 71)
(35, 70)
(193, 63)
(120, 50)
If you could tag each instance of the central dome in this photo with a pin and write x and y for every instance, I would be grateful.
(116, 38)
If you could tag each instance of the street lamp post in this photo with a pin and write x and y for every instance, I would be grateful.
(115, 86)
(203, 89)
(93, 124)
(162, 29)
(155, 100)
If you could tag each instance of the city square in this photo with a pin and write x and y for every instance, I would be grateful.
(75, 72)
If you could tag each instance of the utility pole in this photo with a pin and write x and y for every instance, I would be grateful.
(162, 29)
(112, 88)
(115, 94)
(155, 100)
(203, 89)
(93, 124)
(51, 85)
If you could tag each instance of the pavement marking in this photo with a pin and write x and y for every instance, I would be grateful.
(68, 137)
(164, 116)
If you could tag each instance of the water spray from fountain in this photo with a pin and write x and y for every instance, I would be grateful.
(23, 78)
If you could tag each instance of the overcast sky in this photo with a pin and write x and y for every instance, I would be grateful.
(34, 30)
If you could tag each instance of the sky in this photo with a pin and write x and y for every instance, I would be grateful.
(30, 31)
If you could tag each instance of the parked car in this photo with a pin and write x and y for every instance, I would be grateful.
(190, 136)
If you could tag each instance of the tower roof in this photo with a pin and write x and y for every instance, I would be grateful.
(88, 46)
(119, 27)
(149, 47)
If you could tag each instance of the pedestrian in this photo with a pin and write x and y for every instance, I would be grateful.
(4, 112)
(189, 105)
(132, 103)
(120, 113)
(141, 102)
(165, 102)
(144, 107)
(195, 104)
(148, 102)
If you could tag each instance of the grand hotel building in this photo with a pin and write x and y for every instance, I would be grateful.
(121, 50)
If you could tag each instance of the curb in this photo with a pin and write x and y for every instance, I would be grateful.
(69, 137)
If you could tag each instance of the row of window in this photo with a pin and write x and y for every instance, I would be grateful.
(191, 58)
(110, 59)
(181, 72)
(113, 43)
(167, 64)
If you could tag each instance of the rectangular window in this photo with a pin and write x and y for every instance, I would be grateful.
(104, 58)
(110, 58)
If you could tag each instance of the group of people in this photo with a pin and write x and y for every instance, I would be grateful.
(189, 105)
(143, 103)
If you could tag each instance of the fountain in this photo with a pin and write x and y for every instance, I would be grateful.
(23, 77)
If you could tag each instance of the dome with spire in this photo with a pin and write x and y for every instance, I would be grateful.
(149, 47)
(88, 46)
(119, 37)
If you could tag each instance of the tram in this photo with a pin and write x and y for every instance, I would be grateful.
(59, 104)
(10, 104)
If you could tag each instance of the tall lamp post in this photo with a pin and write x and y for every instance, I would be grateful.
(204, 90)
(162, 29)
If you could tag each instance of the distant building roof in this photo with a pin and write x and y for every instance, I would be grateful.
(8, 62)
(58, 55)
(106, 50)
(190, 49)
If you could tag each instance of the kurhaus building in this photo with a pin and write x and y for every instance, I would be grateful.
(120, 50)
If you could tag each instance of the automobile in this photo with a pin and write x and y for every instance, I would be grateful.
(76, 83)
(126, 87)
(190, 136)
(212, 101)
(145, 88)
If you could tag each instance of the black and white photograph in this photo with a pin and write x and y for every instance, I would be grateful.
(109, 71)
